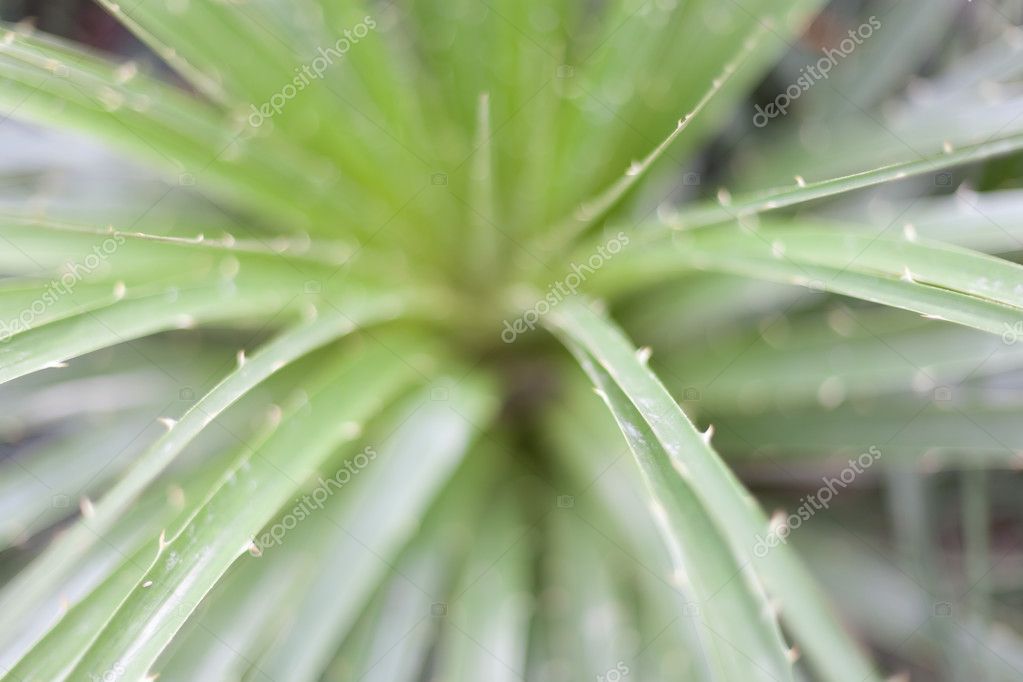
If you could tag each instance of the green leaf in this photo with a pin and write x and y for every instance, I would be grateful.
(366, 526)
(729, 209)
(39, 244)
(64, 467)
(237, 619)
(739, 631)
(830, 358)
(48, 81)
(61, 556)
(966, 430)
(682, 449)
(393, 641)
(594, 209)
(936, 280)
(190, 564)
(114, 567)
(485, 633)
(593, 620)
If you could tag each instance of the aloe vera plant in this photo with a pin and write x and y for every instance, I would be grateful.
(297, 364)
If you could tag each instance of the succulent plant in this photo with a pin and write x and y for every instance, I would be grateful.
(327, 327)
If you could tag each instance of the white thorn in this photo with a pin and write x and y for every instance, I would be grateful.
(793, 654)
(778, 520)
(126, 71)
(176, 496)
(148, 583)
(643, 354)
(241, 358)
(907, 276)
(85, 504)
(56, 365)
(274, 415)
(947, 147)
(120, 290)
(162, 543)
(708, 434)
(800, 181)
(724, 197)
(351, 430)
(966, 194)
(168, 422)
(634, 168)
(909, 232)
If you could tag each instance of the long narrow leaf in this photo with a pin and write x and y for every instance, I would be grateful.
(62, 555)
(728, 209)
(190, 564)
(933, 279)
(687, 452)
